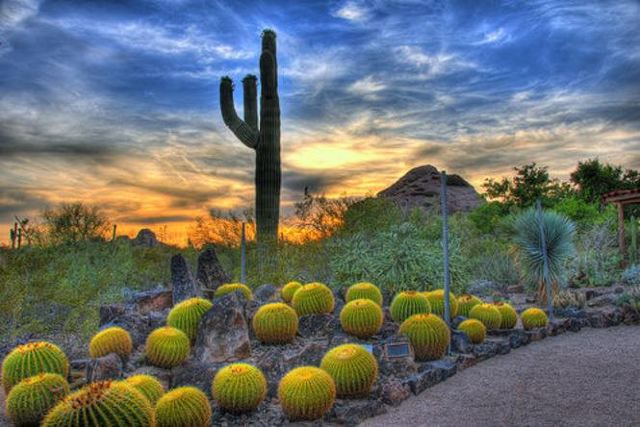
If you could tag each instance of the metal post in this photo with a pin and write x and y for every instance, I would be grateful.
(633, 255)
(545, 265)
(445, 244)
(243, 255)
(113, 234)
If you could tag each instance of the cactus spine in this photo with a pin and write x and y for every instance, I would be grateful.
(31, 399)
(474, 329)
(289, 289)
(31, 359)
(533, 318)
(487, 314)
(508, 315)
(353, 369)
(364, 290)
(306, 393)
(233, 287)
(186, 315)
(275, 323)
(265, 139)
(361, 318)
(167, 347)
(111, 340)
(408, 303)
(183, 407)
(239, 388)
(466, 302)
(436, 302)
(313, 298)
(148, 385)
(428, 334)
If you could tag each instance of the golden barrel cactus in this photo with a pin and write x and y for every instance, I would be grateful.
(183, 407)
(148, 385)
(186, 315)
(239, 388)
(474, 329)
(111, 340)
(533, 318)
(234, 287)
(306, 393)
(364, 290)
(353, 369)
(31, 359)
(289, 289)
(436, 302)
(275, 323)
(313, 298)
(361, 318)
(32, 398)
(428, 334)
(167, 347)
(508, 315)
(407, 303)
(466, 302)
(487, 314)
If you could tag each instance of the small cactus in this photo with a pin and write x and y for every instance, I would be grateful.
(31, 399)
(306, 393)
(111, 340)
(361, 318)
(487, 314)
(183, 407)
(239, 388)
(508, 315)
(428, 334)
(313, 298)
(234, 287)
(436, 302)
(353, 369)
(364, 290)
(31, 359)
(289, 289)
(101, 404)
(167, 347)
(148, 385)
(187, 314)
(408, 303)
(466, 302)
(533, 318)
(275, 323)
(474, 329)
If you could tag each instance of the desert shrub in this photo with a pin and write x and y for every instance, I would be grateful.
(74, 222)
(487, 217)
(597, 257)
(581, 211)
(631, 275)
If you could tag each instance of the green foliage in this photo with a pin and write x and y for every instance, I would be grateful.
(31, 399)
(361, 318)
(428, 334)
(167, 347)
(32, 359)
(313, 298)
(508, 315)
(148, 385)
(275, 323)
(239, 388)
(364, 290)
(631, 275)
(487, 217)
(533, 318)
(289, 289)
(630, 297)
(353, 369)
(597, 257)
(406, 304)
(234, 287)
(436, 303)
(306, 393)
(594, 179)
(370, 215)
(187, 314)
(488, 314)
(466, 302)
(101, 404)
(183, 407)
(475, 330)
(74, 222)
(581, 211)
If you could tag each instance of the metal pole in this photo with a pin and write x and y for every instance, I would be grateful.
(545, 265)
(445, 244)
(243, 255)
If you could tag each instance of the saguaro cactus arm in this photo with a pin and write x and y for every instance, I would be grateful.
(250, 100)
(247, 134)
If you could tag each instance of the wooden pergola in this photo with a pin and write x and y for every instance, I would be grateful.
(621, 198)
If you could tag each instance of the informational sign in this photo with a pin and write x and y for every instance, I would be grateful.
(397, 349)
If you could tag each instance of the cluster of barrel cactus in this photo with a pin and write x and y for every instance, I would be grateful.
(32, 398)
(167, 347)
(487, 314)
(187, 314)
(533, 318)
(361, 318)
(436, 302)
(364, 290)
(234, 287)
(353, 369)
(275, 323)
(313, 298)
(32, 359)
(428, 334)
(508, 315)
(289, 289)
(407, 303)
(466, 302)
(239, 388)
(111, 340)
(148, 385)
(183, 407)
(306, 393)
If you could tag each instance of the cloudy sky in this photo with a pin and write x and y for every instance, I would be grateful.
(116, 102)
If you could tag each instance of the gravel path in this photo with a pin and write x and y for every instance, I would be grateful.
(591, 378)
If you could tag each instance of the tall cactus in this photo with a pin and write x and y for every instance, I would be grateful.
(265, 139)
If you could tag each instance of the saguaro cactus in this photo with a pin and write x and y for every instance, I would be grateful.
(264, 137)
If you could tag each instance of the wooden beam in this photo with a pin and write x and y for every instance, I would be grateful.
(621, 246)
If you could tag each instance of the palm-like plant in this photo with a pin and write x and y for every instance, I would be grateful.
(556, 231)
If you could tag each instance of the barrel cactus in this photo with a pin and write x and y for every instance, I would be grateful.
(306, 393)
(31, 359)
(436, 302)
(239, 388)
(183, 407)
(428, 334)
(487, 314)
(148, 385)
(353, 369)
(313, 298)
(474, 329)
(466, 302)
(234, 287)
(275, 323)
(533, 318)
(289, 289)
(187, 314)
(408, 303)
(111, 340)
(167, 347)
(31, 399)
(361, 318)
(364, 290)
(103, 403)
(508, 315)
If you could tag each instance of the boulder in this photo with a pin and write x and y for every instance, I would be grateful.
(146, 238)
(109, 367)
(352, 412)
(265, 293)
(210, 273)
(139, 325)
(317, 325)
(183, 285)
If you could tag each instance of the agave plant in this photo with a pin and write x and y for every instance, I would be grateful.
(558, 232)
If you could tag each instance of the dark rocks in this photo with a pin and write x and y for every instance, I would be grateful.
(485, 350)
(394, 392)
(265, 293)
(210, 273)
(109, 367)
(502, 346)
(128, 317)
(460, 342)
(430, 374)
(352, 412)
(146, 238)
(194, 373)
(267, 414)
(152, 300)
(317, 325)
(536, 334)
(182, 283)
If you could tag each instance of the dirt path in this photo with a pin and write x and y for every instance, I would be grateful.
(591, 378)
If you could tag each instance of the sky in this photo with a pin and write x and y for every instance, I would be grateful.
(115, 103)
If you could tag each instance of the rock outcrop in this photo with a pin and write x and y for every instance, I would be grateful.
(210, 273)
(183, 284)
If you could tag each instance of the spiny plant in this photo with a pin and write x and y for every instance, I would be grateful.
(103, 403)
(436, 302)
(313, 298)
(475, 330)
(361, 318)
(187, 314)
(487, 314)
(239, 388)
(306, 393)
(30, 400)
(353, 369)
(289, 289)
(31, 359)
(111, 340)
(148, 385)
(364, 290)
(428, 334)
(533, 318)
(508, 315)
(407, 303)
(466, 302)
(167, 347)
(275, 323)
(233, 287)
(183, 407)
